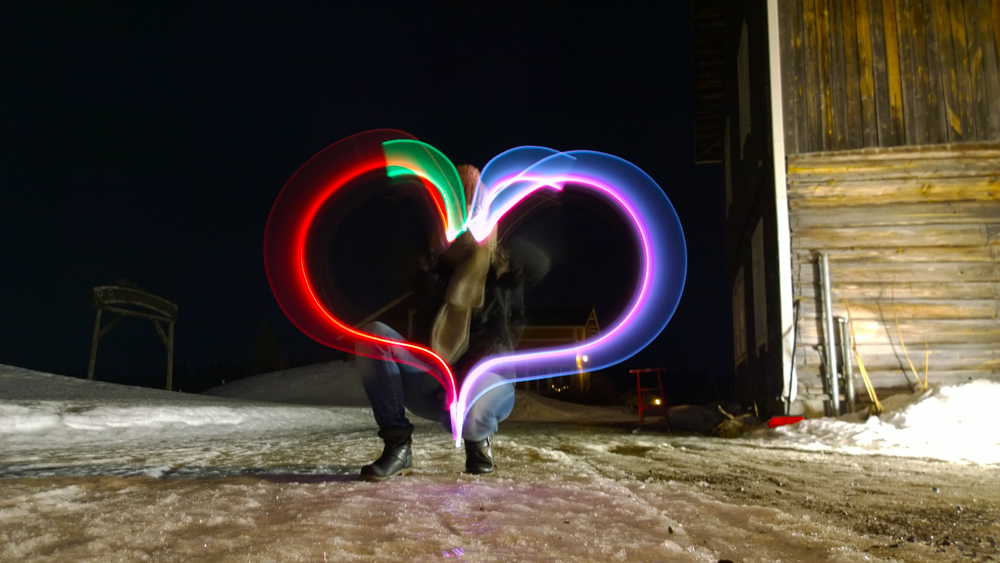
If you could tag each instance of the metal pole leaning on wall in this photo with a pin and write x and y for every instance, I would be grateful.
(829, 347)
(845, 359)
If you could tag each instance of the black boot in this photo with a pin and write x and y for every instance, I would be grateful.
(396, 458)
(479, 456)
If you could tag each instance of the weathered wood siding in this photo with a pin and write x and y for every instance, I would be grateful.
(913, 236)
(883, 73)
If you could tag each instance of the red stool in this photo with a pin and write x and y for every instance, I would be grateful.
(638, 389)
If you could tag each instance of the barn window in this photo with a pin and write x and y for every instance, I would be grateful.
(743, 69)
(759, 287)
(739, 320)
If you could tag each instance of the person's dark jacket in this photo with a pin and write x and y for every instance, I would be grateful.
(497, 326)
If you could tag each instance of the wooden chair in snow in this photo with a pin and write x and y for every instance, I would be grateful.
(129, 302)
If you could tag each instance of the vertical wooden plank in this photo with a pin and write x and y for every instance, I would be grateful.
(995, 11)
(995, 8)
(980, 107)
(904, 36)
(790, 34)
(991, 67)
(852, 82)
(893, 70)
(949, 72)
(922, 109)
(883, 102)
(788, 86)
(838, 78)
(823, 51)
(866, 83)
(800, 77)
(956, 11)
(938, 118)
(813, 95)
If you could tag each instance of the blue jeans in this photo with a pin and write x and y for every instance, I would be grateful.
(391, 386)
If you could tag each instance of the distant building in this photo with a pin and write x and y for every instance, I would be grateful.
(868, 131)
(558, 327)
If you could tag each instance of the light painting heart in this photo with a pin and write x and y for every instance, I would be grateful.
(505, 181)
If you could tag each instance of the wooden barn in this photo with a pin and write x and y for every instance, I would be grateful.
(859, 138)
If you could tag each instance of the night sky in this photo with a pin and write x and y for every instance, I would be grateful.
(148, 143)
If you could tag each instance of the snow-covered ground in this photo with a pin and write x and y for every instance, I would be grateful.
(101, 472)
(949, 423)
(955, 423)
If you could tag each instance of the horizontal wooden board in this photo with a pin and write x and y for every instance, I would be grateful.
(893, 379)
(896, 214)
(896, 272)
(892, 376)
(864, 169)
(885, 191)
(985, 150)
(898, 370)
(898, 236)
(885, 308)
(882, 380)
(943, 350)
(857, 292)
(901, 254)
(913, 341)
(883, 357)
(913, 330)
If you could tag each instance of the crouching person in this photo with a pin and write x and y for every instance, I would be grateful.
(473, 299)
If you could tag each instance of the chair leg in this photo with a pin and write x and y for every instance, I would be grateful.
(93, 345)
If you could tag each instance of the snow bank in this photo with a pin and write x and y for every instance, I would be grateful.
(51, 417)
(52, 411)
(337, 383)
(330, 383)
(529, 407)
(41, 410)
(18, 384)
(954, 423)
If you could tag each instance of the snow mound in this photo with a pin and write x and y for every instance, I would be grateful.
(953, 423)
(530, 407)
(57, 418)
(52, 410)
(330, 383)
(18, 384)
(338, 383)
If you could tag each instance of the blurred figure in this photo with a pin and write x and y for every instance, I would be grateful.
(471, 307)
